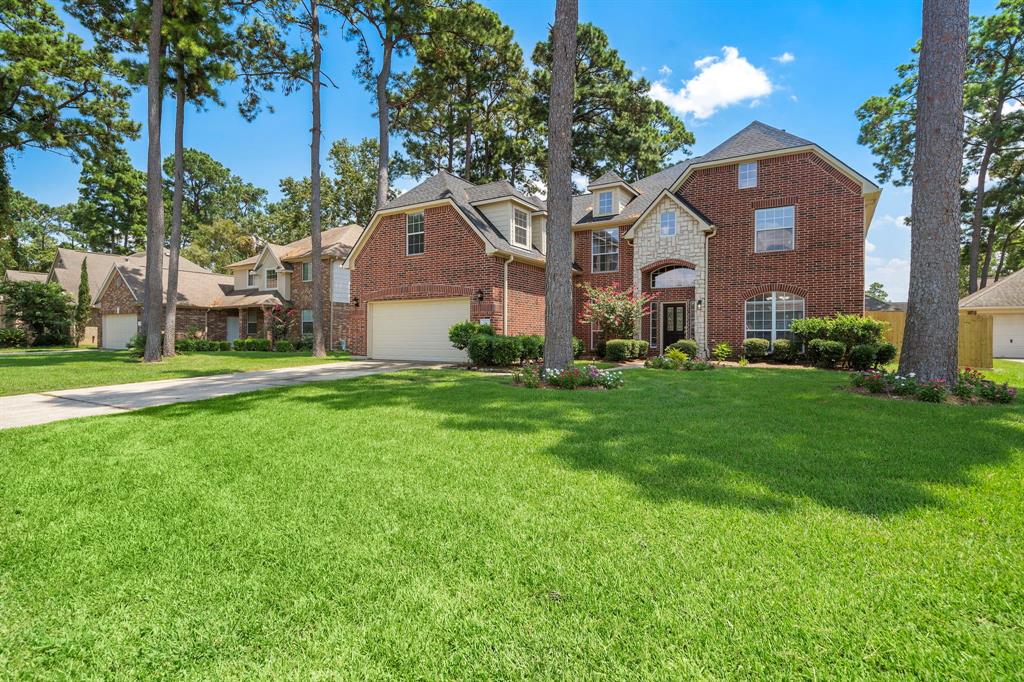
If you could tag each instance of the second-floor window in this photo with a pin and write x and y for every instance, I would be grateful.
(414, 234)
(774, 229)
(307, 322)
(604, 203)
(668, 223)
(250, 279)
(748, 175)
(604, 250)
(520, 227)
(271, 279)
(307, 272)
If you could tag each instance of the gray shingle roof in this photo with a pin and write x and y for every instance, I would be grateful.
(25, 276)
(444, 185)
(1006, 293)
(649, 188)
(67, 267)
(756, 138)
(199, 289)
(608, 178)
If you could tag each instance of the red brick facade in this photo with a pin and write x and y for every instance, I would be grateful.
(622, 277)
(826, 266)
(335, 315)
(454, 264)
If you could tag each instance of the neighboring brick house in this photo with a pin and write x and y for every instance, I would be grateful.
(765, 228)
(443, 252)
(239, 305)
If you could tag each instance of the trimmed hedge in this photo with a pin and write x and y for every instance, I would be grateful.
(886, 354)
(462, 333)
(688, 346)
(284, 346)
(533, 347)
(506, 351)
(825, 353)
(849, 330)
(618, 350)
(863, 356)
(784, 351)
(756, 349)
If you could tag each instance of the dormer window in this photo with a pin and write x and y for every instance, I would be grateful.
(250, 279)
(668, 223)
(270, 279)
(604, 203)
(748, 175)
(520, 228)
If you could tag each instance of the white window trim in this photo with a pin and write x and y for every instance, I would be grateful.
(526, 227)
(774, 330)
(255, 322)
(250, 279)
(308, 264)
(611, 202)
(661, 223)
(302, 321)
(618, 251)
(423, 230)
(266, 281)
(739, 174)
(768, 229)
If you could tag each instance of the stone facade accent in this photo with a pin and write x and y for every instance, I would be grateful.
(652, 250)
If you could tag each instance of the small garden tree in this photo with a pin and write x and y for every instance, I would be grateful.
(82, 309)
(44, 310)
(616, 311)
(281, 321)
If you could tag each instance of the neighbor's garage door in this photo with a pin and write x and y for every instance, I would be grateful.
(118, 330)
(1008, 336)
(416, 330)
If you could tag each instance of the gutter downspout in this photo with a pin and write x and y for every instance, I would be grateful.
(504, 298)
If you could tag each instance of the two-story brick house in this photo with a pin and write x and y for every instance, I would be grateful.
(765, 228)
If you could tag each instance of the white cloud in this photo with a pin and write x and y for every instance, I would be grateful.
(893, 273)
(665, 71)
(794, 98)
(889, 220)
(1010, 107)
(869, 247)
(785, 58)
(721, 82)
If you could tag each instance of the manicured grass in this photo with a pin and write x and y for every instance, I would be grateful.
(1009, 371)
(51, 372)
(45, 349)
(739, 523)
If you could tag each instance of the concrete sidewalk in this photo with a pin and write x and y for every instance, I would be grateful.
(41, 408)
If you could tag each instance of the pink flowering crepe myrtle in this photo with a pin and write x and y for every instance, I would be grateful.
(615, 310)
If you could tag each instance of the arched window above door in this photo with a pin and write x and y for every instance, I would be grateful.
(673, 277)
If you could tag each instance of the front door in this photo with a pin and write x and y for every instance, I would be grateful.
(673, 325)
(232, 328)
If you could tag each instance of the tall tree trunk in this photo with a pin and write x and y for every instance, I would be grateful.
(558, 271)
(930, 339)
(314, 203)
(977, 220)
(153, 298)
(383, 122)
(990, 239)
(171, 308)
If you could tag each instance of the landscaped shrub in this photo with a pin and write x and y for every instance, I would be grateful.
(661, 362)
(825, 353)
(677, 356)
(933, 391)
(533, 347)
(810, 328)
(239, 344)
(862, 356)
(185, 345)
(755, 349)
(305, 342)
(462, 333)
(722, 351)
(850, 330)
(688, 346)
(997, 393)
(224, 345)
(573, 377)
(137, 346)
(874, 382)
(506, 351)
(528, 376)
(481, 349)
(13, 336)
(261, 344)
(577, 347)
(617, 350)
(45, 310)
(784, 351)
(284, 346)
(886, 353)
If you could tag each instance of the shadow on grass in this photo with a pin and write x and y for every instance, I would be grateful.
(758, 439)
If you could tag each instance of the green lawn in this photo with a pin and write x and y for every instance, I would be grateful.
(51, 372)
(740, 523)
(45, 349)
(1009, 371)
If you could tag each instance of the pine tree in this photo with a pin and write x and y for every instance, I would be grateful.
(83, 308)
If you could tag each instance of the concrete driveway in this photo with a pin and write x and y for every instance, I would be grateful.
(41, 408)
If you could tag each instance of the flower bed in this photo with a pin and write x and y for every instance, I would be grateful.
(970, 387)
(677, 359)
(571, 378)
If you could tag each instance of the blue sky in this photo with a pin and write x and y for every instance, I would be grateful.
(803, 66)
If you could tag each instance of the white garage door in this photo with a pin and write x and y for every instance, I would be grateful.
(118, 330)
(1008, 336)
(416, 330)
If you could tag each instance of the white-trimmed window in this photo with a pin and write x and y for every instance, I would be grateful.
(654, 326)
(604, 250)
(520, 227)
(673, 277)
(307, 271)
(307, 322)
(768, 316)
(414, 234)
(604, 203)
(748, 174)
(270, 279)
(250, 278)
(252, 321)
(668, 223)
(774, 229)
